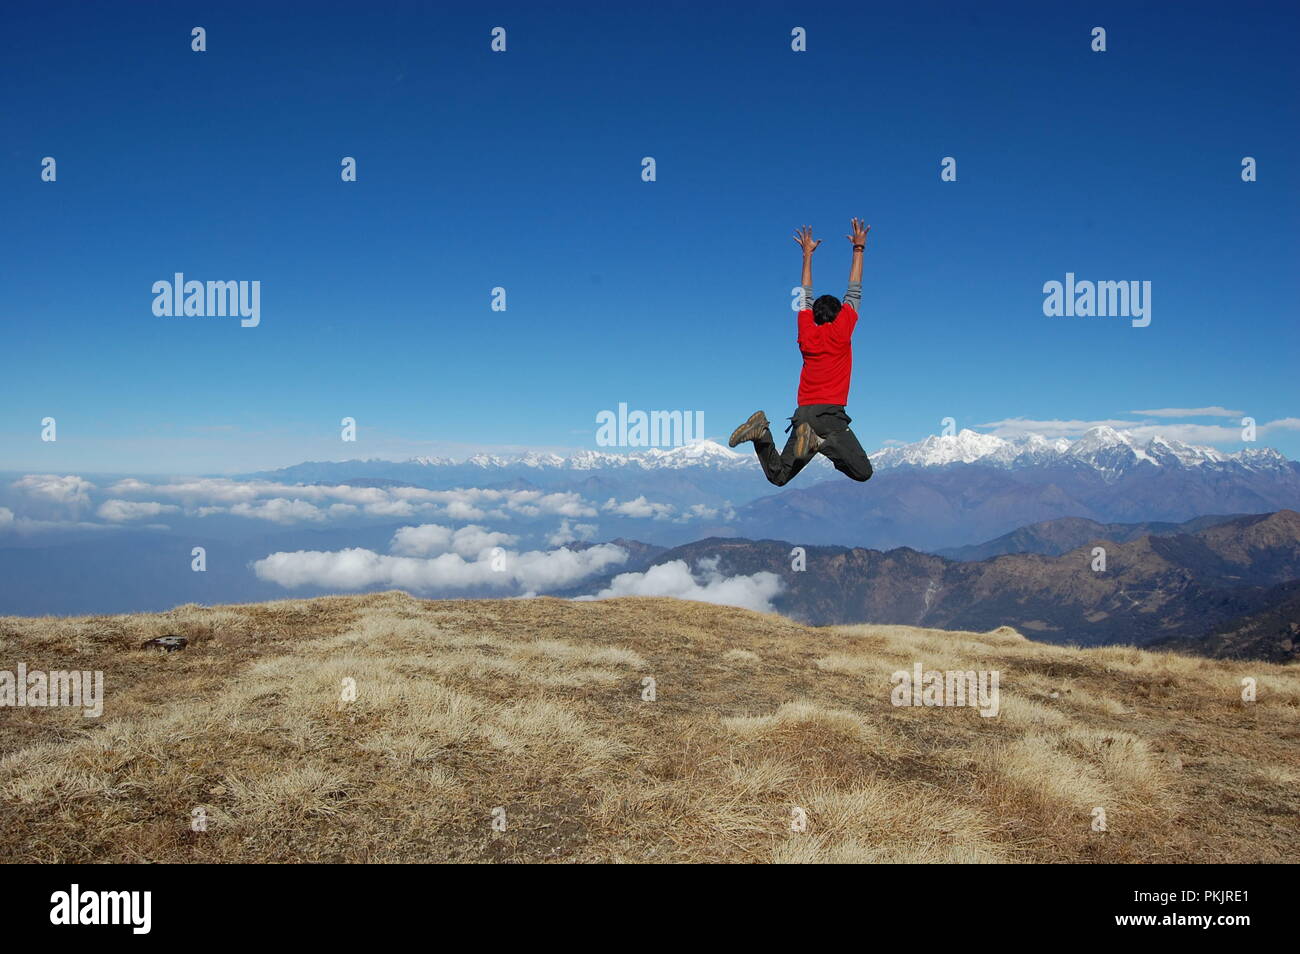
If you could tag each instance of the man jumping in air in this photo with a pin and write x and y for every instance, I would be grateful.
(826, 343)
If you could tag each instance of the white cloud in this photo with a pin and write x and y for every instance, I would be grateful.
(119, 511)
(65, 490)
(1213, 434)
(1214, 411)
(565, 505)
(1024, 427)
(640, 508)
(208, 495)
(674, 579)
(569, 532)
(463, 510)
(430, 539)
(199, 491)
(550, 569)
(708, 565)
(421, 541)
(357, 568)
(294, 503)
(6, 518)
(1187, 433)
(474, 541)
(343, 569)
(704, 512)
(394, 508)
(27, 525)
(1281, 424)
(280, 510)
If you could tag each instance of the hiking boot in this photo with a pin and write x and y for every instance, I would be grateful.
(806, 441)
(752, 429)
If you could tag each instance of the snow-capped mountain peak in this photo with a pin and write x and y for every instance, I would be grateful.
(1189, 455)
(487, 461)
(701, 453)
(966, 446)
(538, 459)
(1260, 458)
(1099, 438)
(1036, 445)
(1102, 448)
(1107, 449)
(696, 452)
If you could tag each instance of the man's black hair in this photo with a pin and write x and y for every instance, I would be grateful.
(825, 309)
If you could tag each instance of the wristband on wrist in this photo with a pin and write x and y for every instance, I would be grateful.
(858, 248)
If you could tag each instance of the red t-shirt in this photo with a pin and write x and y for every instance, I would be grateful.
(827, 357)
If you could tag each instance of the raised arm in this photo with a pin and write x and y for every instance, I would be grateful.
(803, 238)
(859, 239)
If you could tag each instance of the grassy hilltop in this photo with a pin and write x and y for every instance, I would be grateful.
(535, 706)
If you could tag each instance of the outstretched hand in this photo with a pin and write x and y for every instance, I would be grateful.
(805, 240)
(860, 230)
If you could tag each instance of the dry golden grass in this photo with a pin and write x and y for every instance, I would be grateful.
(536, 707)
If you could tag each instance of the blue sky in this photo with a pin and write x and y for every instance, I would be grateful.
(522, 169)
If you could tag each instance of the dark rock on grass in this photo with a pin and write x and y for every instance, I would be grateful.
(168, 644)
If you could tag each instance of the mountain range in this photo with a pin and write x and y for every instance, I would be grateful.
(937, 494)
(1054, 537)
(1100, 448)
(1271, 632)
(947, 492)
(1234, 577)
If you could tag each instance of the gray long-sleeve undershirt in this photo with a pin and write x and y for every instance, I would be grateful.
(853, 296)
